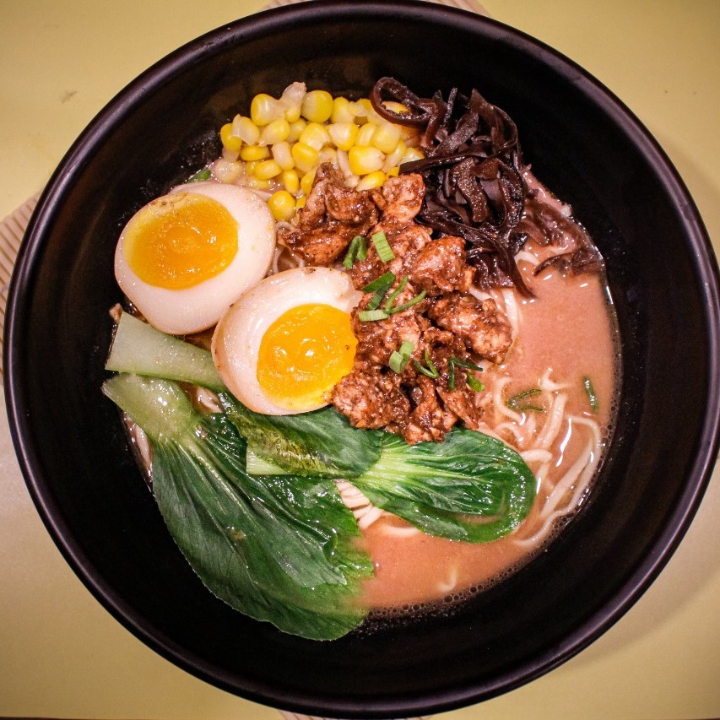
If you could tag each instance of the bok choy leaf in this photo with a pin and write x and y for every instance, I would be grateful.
(278, 548)
(469, 487)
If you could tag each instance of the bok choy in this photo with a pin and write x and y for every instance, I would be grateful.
(278, 548)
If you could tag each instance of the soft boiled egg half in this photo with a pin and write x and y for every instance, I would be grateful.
(284, 345)
(184, 258)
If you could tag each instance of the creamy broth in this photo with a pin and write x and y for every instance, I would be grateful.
(569, 328)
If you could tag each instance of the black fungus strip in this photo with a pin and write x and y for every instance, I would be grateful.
(473, 172)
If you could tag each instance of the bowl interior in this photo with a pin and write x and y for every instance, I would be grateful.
(583, 144)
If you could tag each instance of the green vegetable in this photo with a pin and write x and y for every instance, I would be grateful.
(278, 548)
(321, 442)
(400, 358)
(428, 369)
(517, 402)
(141, 349)
(357, 250)
(382, 246)
(201, 175)
(592, 397)
(469, 487)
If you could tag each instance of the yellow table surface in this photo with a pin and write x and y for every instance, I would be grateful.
(61, 653)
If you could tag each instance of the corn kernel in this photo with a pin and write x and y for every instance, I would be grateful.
(343, 134)
(296, 129)
(227, 172)
(254, 152)
(371, 180)
(307, 181)
(291, 100)
(282, 155)
(267, 169)
(393, 171)
(317, 106)
(257, 184)
(315, 135)
(343, 111)
(395, 107)
(250, 167)
(410, 154)
(291, 181)
(366, 133)
(246, 130)
(300, 202)
(230, 155)
(395, 156)
(230, 141)
(264, 109)
(328, 155)
(364, 160)
(274, 132)
(305, 157)
(386, 137)
(282, 205)
(364, 109)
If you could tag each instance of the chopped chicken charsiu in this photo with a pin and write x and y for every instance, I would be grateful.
(424, 307)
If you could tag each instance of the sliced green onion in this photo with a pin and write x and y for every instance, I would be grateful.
(474, 383)
(430, 370)
(400, 358)
(592, 397)
(465, 364)
(201, 175)
(383, 281)
(382, 246)
(357, 250)
(515, 402)
(451, 375)
(414, 301)
(391, 297)
(372, 315)
(398, 361)
(406, 348)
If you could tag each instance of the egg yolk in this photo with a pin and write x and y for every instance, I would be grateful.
(304, 354)
(181, 240)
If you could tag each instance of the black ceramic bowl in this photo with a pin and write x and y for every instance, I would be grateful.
(582, 143)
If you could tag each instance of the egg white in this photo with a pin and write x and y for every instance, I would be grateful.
(237, 337)
(189, 310)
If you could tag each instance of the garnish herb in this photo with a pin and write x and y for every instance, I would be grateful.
(382, 246)
(592, 397)
(413, 301)
(356, 251)
(393, 295)
(474, 383)
(379, 286)
(400, 358)
(201, 175)
(429, 369)
(517, 402)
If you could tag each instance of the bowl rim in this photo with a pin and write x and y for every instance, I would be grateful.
(257, 25)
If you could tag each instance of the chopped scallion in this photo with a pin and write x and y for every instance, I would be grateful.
(204, 174)
(398, 361)
(357, 250)
(372, 315)
(474, 383)
(414, 301)
(382, 246)
(391, 297)
(406, 348)
(383, 281)
(516, 401)
(592, 397)
(465, 364)
(430, 370)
